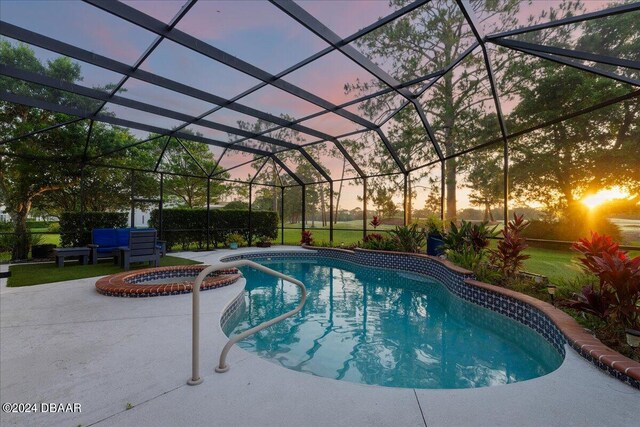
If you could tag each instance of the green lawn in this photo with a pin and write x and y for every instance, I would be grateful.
(37, 274)
(555, 264)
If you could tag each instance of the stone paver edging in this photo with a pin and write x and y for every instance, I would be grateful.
(128, 284)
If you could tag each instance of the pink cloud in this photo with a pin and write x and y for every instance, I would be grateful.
(163, 10)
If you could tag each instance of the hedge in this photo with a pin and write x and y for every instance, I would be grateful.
(184, 227)
(569, 230)
(38, 224)
(71, 234)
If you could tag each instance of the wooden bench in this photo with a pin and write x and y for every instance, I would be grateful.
(62, 253)
(143, 246)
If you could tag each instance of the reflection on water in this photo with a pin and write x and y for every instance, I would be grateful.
(382, 327)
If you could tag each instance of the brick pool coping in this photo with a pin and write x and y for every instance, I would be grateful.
(127, 284)
(555, 325)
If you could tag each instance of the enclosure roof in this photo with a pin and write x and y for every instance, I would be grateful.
(289, 83)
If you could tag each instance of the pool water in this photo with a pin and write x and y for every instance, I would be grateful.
(383, 327)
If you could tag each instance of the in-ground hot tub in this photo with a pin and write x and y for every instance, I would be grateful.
(153, 282)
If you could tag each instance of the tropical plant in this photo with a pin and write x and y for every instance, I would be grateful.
(616, 296)
(508, 257)
(476, 262)
(379, 242)
(475, 236)
(591, 300)
(375, 222)
(263, 239)
(236, 238)
(307, 238)
(410, 238)
(434, 226)
(622, 275)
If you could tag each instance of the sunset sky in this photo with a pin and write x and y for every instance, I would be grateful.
(254, 31)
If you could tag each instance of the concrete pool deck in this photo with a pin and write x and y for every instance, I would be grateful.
(65, 343)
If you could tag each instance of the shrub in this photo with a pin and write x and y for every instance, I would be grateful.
(468, 235)
(71, 230)
(306, 238)
(379, 242)
(235, 238)
(37, 224)
(617, 293)
(508, 256)
(409, 238)
(236, 205)
(435, 226)
(185, 227)
(570, 230)
(263, 239)
(474, 261)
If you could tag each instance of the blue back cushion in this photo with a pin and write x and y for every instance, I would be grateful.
(123, 236)
(109, 238)
(104, 236)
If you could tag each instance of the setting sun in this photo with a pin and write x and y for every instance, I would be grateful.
(593, 200)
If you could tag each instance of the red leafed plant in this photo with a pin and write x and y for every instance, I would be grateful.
(373, 237)
(617, 294)
(592, 301)
(375, 222)
(594, 248)
(508, 256)
(306, 239)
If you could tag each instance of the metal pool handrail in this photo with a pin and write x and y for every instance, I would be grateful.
(222, 366)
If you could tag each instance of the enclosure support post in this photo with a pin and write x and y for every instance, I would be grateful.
(133, 207)
(208, 213)
(161, 207)
(442, 187)
(304, 208)
(364, 207)
(404, 199)
(250, 210)
(506, 182)
(331, 212)
(82, 200)
(282, 215)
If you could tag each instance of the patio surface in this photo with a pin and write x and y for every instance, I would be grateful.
(65, 343)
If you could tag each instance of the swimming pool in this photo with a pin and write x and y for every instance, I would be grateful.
(385, 327)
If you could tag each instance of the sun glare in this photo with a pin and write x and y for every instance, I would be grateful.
(594, 200)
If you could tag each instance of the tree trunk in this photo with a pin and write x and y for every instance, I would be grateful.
(344, 165)
(450, 186)
(22, 242)
(409, 202)
(274, 193)
(323, 207)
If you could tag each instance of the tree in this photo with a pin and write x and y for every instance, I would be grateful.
(383, 200)
(35, 167)
(187, 160)
(426, 40)
(485, 179)
(269, 169)
(558, 165)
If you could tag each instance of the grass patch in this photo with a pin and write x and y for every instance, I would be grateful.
(557, 265)
(37, 274)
